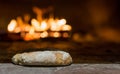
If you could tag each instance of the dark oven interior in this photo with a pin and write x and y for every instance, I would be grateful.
(92, 36)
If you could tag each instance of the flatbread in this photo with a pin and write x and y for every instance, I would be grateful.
(43, 58)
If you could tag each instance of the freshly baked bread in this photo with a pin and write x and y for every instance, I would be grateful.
(43, 58)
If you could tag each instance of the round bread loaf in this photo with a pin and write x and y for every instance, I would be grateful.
(43, 58)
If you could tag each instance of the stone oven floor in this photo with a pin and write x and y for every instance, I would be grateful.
(96, 52)
(8, 68)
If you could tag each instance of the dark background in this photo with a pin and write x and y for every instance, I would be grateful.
(83, 15)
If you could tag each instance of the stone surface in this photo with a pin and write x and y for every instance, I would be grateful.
(8, 68)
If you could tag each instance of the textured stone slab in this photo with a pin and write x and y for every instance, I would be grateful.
(8, 68)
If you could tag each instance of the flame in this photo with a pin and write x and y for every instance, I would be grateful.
(39, 27)
(12, 25)
(53, 24)
(35, 24)
(56, 24)
(43, 26)
(54, 27)
(66, 28)
(17, 30)
(31, 35)
(61, 22)
(32, 30)
(27, 28)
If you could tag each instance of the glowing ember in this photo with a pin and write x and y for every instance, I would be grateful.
(66, 35)
(56, 34)
(44, 34)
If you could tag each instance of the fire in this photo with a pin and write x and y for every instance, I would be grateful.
(39, 28)
(12, 25)
(17, 30)
(54, 27)
(66, 35)
(44, 34)
(43, 26)
(61, 22)
(56, 34)
(35, 24)
(66, 28)
(31, 35)
(32, 31)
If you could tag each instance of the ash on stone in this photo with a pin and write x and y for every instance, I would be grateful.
(43, 58)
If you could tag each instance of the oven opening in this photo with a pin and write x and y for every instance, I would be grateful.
(89, 30)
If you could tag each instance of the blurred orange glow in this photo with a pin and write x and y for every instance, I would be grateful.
(56, 34)
(39, 27)
(12, 25)
(44, 34)
(43, 26)
(66, 35)
(66, 28)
